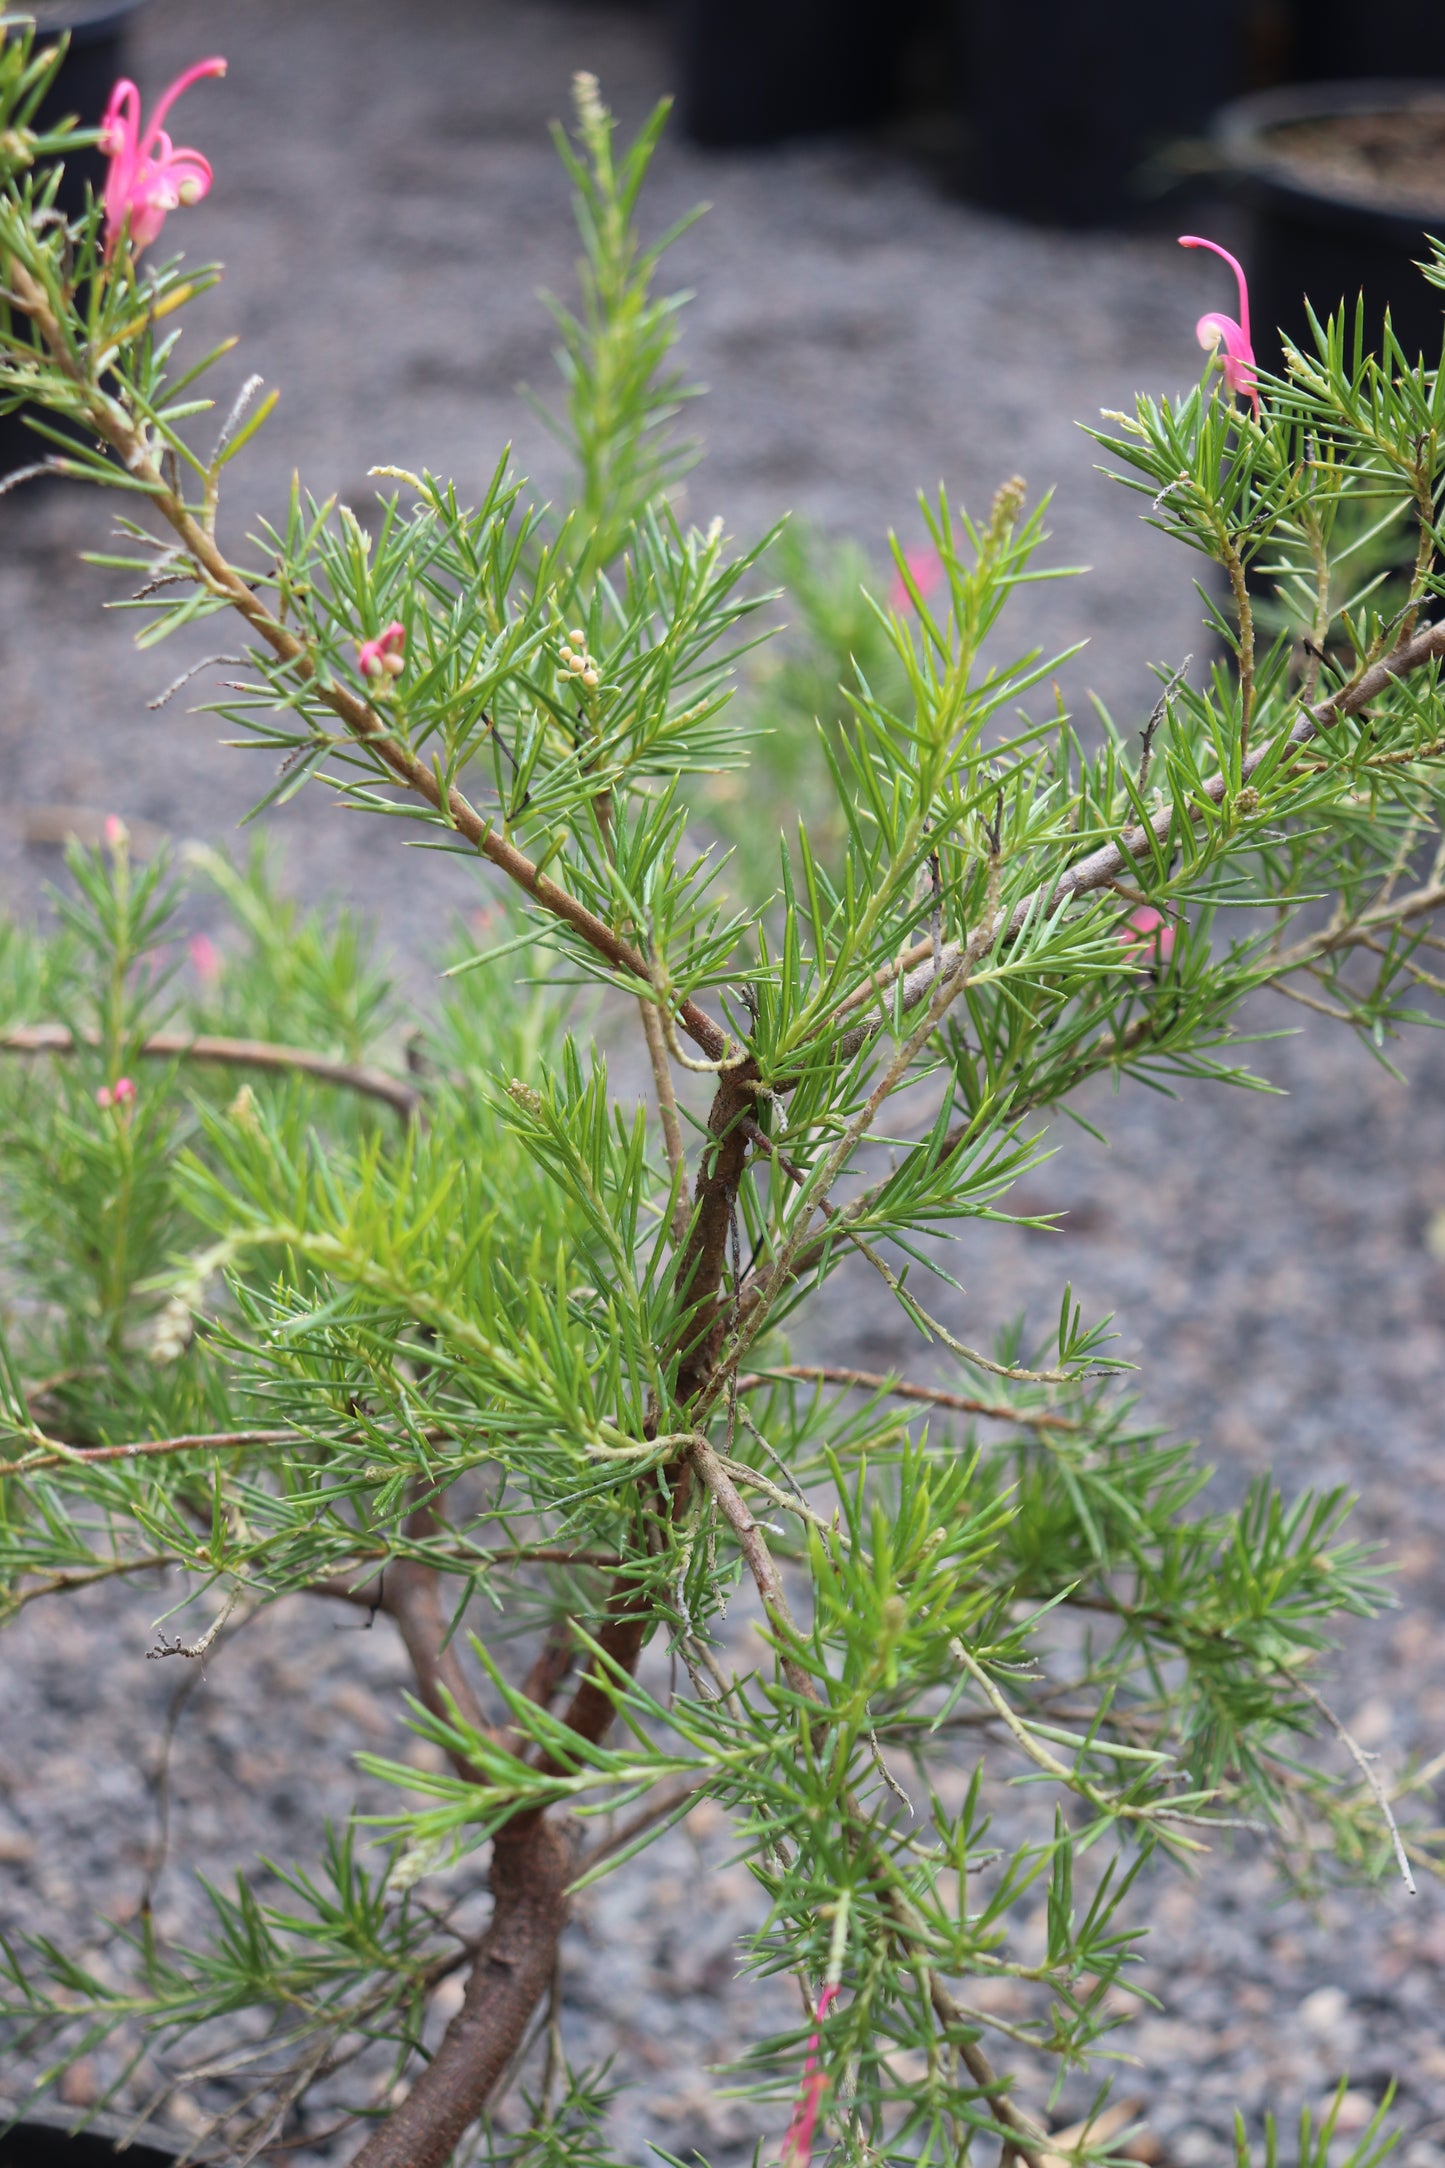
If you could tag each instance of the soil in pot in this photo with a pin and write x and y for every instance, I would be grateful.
(761, 71)
(1344, 184)
(1396, 160)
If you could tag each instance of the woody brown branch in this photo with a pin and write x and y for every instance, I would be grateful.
(704, 1307)
(531, 1868)
(702, 1267)
(231, 1054)
(530, 1855)
(411, 1596)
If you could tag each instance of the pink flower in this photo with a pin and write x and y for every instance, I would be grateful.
(205, 958)
(926, 568)
(115, 832)
(1215, 331)
(148, 176)
(1148, 928)
(382, 656)
(120, 1094)
(798, 2142)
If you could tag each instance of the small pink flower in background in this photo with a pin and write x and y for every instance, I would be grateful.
(205, 958)
(798, 2143)
(926, 566)
(1148, 928)
(1215, 331)
(115, 832)
(148, 176)
(382, 657)
(121, 1094)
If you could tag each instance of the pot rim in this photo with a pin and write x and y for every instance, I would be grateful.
(1239, 131)
(144, 2146)
(85, 21)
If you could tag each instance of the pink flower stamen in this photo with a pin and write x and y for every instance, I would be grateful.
(382, 657)
(148, 176)
(925, 567)
(798, 2142)
(1217, 332)
(1148, 928)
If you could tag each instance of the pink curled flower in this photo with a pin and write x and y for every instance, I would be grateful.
(1147, 928)
(1215, 331)
(926, 568)
(205, 958)
(382, 657)
(798, 2142)
(148, 176)
(119, 1095)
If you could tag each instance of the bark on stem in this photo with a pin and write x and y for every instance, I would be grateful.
(702, 1265)
(410, 1596)
(531, 1868)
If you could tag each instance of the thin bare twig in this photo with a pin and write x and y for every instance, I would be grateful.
(195, 668)
(873, 1381)
(1363, 1762)
(759, 1559)
(230, 1054)
(59, 1584)
(52, 1454)
(657, 1810)
(195, 1651)
(653, 1033)
(1024, 2140)
(1161, 709)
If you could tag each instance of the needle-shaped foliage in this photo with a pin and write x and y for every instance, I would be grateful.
(470, 1311)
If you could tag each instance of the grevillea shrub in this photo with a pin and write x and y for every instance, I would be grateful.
(500, 1352)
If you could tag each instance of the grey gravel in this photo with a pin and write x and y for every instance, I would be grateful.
(387, 205)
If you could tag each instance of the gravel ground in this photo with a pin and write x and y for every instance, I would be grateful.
(388, 206)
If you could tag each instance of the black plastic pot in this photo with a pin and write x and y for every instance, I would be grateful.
(42, 2144)
(1328, 240)
(82, 86)
(757, 71)
(96, 56)
(1340, 38)
(1066, 104)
